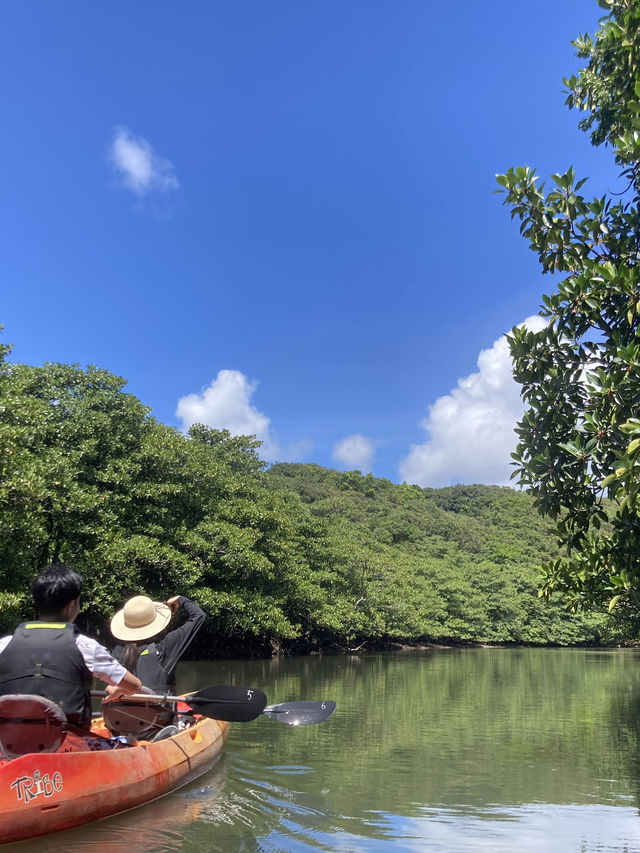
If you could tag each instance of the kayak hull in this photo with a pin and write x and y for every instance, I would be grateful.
(48, 792)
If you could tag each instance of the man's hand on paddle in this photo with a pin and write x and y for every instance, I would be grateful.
(129, 684)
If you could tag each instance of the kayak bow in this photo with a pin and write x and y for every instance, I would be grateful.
(50, 791)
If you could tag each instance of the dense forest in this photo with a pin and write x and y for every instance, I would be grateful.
(295, 558)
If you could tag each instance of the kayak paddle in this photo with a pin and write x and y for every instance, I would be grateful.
(241, 704)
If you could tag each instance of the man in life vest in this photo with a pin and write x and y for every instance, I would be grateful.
(51, 658)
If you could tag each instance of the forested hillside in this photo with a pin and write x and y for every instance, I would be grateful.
(457, 563)
(295, 558)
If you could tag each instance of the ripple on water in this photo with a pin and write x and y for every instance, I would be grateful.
(289, 769)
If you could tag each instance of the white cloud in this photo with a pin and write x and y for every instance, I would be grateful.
(141, 170)
(226, 404)
(354, 451)
(471, 430)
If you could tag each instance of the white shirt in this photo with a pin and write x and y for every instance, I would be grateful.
(98, 660)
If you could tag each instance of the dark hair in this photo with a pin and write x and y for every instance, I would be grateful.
(129, 657)
(54, 588)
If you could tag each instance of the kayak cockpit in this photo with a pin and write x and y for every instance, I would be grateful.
(32, 725)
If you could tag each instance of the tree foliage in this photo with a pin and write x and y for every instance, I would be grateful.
(448, 564)
(89, 478)
(294, 558)
(579, 440)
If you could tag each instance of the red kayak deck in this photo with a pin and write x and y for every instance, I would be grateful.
(48, 792)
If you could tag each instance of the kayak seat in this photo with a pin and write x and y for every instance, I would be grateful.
(140, 719)
(30, 724)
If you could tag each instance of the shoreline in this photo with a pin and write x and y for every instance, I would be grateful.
(271, 649)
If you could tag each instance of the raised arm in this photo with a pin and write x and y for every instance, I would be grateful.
(176, 642)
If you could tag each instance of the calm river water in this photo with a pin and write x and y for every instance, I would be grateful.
(444, 750)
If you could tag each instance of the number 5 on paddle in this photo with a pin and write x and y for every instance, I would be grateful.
(226, 702)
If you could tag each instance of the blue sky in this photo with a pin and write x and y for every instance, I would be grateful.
(279, 217)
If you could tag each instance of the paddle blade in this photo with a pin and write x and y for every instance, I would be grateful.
(234, 704)
(300, 713)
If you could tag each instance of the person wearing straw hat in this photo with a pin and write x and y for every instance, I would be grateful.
(151, 657)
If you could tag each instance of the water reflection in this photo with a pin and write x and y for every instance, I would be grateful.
(532, 828)
(479, 727)
(445, 750)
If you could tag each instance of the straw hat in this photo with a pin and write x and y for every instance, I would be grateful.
(140, 619)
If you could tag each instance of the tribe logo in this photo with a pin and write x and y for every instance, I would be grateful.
(29, 787)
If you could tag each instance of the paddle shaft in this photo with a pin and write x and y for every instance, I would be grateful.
(152, 697)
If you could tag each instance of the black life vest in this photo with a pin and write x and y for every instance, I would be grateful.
(150, 671)
(42, 658)
(148, 667)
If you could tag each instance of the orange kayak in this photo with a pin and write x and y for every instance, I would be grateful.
(47, 792)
